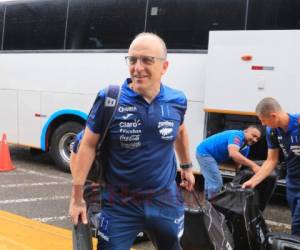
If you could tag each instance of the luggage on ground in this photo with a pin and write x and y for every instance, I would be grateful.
(265, 189)
(241, 210)
(81, 236)
(204, 227)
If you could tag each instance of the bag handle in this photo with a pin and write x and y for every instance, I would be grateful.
(195, 195)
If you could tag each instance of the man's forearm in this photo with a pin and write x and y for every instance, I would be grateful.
(240, 159)
(264, 172)
(182, 146)
(82, 165)
(80, 168)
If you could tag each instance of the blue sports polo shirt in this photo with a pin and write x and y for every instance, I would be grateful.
(140, 138)
(289, 142)
(216, 145)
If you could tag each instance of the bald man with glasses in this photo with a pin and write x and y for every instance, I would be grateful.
(141, 192)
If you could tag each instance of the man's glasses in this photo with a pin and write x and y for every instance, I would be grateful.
(145, 60)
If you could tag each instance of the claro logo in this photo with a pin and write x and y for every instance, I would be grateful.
(133, 124)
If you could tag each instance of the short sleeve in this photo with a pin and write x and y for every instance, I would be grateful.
(95, 118)
(183, 109)
(181, 104)
(235, 139)
(75, 144)
(271, 137)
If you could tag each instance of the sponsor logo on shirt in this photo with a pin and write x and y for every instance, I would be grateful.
(165, 124)
(165, 129)
(281, 145)
(127, 138)
(123, 109)
(296, 149)
(130, 129)
(237, 140)
(127, 116)
(131, 124)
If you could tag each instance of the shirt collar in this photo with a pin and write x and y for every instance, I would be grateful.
(131, 93)
(128, 91)
(293, 122)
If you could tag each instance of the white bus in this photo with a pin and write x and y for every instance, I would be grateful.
(57, 54)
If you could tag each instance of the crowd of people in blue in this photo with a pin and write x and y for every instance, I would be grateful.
(146, 130)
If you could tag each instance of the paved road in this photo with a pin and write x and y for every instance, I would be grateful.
(40, 191)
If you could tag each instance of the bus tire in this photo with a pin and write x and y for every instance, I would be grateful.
(60, 144)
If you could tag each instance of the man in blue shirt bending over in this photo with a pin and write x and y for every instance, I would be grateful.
(218, 148)
(141, 193)
(283, 133)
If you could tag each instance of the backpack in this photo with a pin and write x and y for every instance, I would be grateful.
(82, 234)
(96, 177)
(96, 173)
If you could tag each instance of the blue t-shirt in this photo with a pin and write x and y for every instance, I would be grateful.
(75, 144)
(216, 145)
(140, 138)
(289, 142)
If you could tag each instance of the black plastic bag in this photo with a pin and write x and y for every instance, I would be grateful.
(204, 227)
(264, 190)
(241, 209)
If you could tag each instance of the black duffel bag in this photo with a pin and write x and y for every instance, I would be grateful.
(241, 209)
(265, 189)
(204, 227)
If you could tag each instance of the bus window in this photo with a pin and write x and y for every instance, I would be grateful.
(184, 24)
(274, 14)
(104, 24)
(2, 8)
(35, 25)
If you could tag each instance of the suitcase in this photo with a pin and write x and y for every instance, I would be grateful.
(282, 241)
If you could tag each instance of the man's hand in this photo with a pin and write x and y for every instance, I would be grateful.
(77, 210)
(77, 207)
(187, 179)
(248, 184)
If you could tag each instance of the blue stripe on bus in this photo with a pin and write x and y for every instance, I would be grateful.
(54, 116)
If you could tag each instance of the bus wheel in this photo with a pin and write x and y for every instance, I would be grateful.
(60, 144)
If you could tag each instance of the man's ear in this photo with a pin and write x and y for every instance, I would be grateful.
(165, 66)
